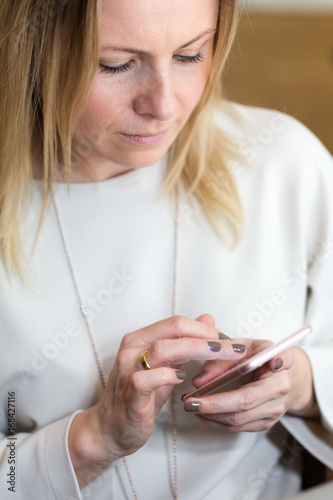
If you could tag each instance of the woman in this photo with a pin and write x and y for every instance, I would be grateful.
(150, 233)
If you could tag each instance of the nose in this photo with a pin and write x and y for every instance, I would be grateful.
(156, 97)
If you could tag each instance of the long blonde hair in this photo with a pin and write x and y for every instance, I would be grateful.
(47, 65)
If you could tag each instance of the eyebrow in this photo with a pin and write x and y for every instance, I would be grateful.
(187, 44)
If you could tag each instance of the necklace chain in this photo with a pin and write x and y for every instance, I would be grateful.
(97, 355)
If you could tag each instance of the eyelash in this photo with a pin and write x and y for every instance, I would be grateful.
(191, 59)
(116, 69)
(128, 66)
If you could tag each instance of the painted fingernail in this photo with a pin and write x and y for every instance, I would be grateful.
(278, 364)
(200, 375)
(180, 375)
(214, 346)
(222, 336)
(239, 347)
(192, 407)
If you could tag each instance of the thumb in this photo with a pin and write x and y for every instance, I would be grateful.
(283, 361)
(206, 318)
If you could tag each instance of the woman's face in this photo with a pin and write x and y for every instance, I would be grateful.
(155, 58)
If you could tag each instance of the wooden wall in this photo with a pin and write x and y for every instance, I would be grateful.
(286, 63)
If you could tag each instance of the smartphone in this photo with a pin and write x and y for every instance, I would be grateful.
(243, 372)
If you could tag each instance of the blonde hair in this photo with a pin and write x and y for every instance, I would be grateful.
(47, 67)
(202, 154)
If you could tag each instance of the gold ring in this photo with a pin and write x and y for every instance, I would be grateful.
(144, 362)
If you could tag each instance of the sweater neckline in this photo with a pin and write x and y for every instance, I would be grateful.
(133, 178)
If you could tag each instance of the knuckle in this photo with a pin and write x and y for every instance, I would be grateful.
(248, 400)
(178, 323)
(214, 407)
(123, 356)
(129, 339)
(137, 381)
(234, 419)
(125, 341)
(286, 387)
(280, 410)
(157, 350)
(192, 344)
(267, 424)
(230, 429)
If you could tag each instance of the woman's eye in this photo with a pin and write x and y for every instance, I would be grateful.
(129, 65)
(116, 69)
(191, 59)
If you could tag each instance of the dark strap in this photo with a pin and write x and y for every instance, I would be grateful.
(314, 472)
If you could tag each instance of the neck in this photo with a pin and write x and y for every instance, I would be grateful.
(79, 173)
(81, 169)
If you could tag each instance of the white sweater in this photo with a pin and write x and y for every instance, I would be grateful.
(120, 238)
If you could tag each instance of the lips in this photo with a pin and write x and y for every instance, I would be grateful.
(146, 134)
(144, 139)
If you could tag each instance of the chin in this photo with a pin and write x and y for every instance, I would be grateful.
(143, 159)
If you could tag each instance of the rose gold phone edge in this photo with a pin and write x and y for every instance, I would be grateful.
(249, 365)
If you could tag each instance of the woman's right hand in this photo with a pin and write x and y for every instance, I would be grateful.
(123, 419)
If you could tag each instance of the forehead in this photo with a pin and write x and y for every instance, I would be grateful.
(153, 23)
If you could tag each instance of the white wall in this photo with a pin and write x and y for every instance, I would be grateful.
(297, 6)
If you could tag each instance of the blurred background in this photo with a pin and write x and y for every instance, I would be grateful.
(283, 59)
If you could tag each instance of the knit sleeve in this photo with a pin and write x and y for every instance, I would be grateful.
(318, 437)
(37, 465)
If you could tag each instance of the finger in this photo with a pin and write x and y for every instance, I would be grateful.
(172, 328)
(143, 385)
(178, 351)
(212, 369)
(269, 411)
(243, 399)
(206, 318)
(255, 426)
(283, 361)
(209, 320)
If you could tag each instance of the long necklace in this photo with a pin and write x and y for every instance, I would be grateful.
(97, 355)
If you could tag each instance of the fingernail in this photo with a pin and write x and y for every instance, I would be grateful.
(214, 346)
(180, 375)
(192, 407)
(222, 336)
(239, 347)
(278, 364)
(200, 375)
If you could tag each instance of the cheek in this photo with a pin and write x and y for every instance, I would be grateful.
(192, 88)
(103, 108)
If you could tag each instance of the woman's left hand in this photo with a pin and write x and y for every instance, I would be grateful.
(282, 385)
